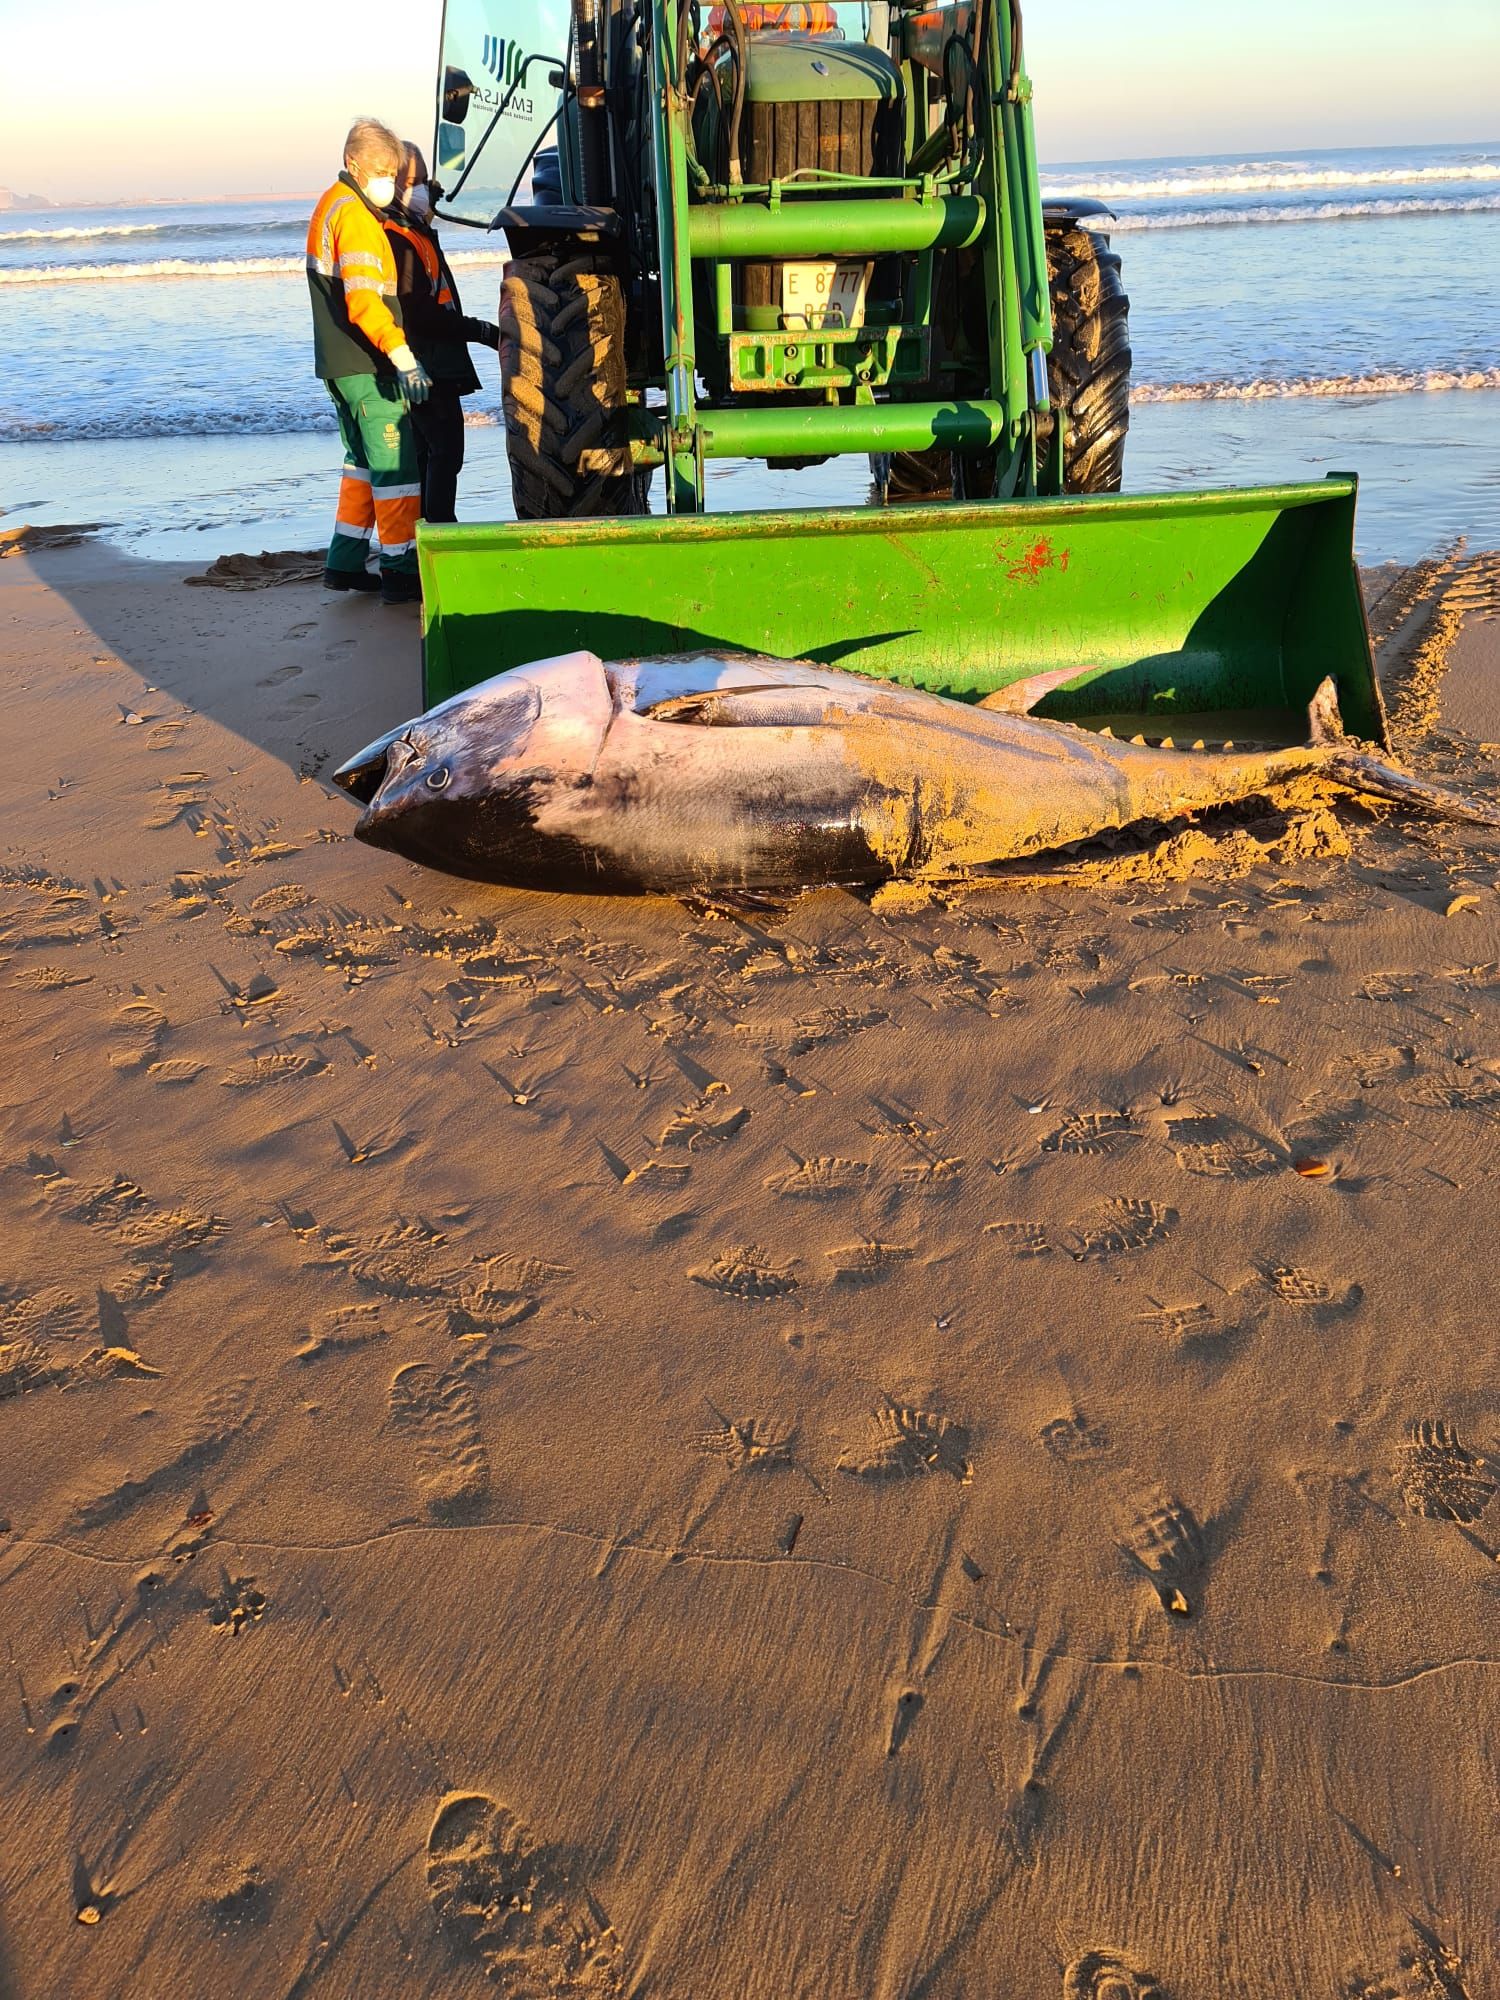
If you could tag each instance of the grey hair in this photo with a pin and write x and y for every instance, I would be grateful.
(372, 145)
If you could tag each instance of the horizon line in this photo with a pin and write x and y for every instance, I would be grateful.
(35, 203)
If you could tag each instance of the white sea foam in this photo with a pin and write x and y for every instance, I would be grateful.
(1323, 211)
(1384, 382)
(193, 267)
(69, 235)
(1258, 178)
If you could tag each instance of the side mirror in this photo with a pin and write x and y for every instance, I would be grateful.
(557, 79)
(458, 89)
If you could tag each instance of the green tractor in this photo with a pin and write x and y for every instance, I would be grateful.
(790, 229)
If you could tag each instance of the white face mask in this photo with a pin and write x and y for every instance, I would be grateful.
(381, 190)
(419, 198)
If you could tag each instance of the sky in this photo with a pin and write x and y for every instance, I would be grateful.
(105, 100)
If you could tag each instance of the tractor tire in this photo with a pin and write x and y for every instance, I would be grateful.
(562, 375)
(546, 176)
(1089, 367)
(922, 475)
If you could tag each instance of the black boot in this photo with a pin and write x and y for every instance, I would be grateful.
(350, 579)
(400, 587)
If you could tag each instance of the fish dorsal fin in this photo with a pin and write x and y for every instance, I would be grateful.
(760, 704)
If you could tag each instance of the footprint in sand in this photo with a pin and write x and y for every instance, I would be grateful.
(746, 1273)
(1439, 1479)
(1074, 1440)
(867, 1263)
(46, 1315)
(931, 1177)
(160, 1244)
(25, 1365)
(342, 1329)
(285, 897)
(705, 1122)
(1022, 1239)
(1093, 1132)
(274, 1066)
(822, 1179)
(1111, 1228)
(175, 1070)
(749, 1444)
(453, 1467)
(1162, 1538)
(1109, 1975)
(141, 1028)
(510, 1902)
(51, 978)
(1220, 1149)
(903, 1442)
(1290, 1285)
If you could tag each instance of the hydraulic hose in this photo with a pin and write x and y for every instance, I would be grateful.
(741, 69)
(593, 132)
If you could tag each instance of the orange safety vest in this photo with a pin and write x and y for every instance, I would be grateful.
(801, 17)
(352, 277)
(426, 249)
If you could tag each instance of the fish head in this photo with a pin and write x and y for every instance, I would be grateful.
(461, 787)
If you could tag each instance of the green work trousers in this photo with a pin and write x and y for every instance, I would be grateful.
(380, 495)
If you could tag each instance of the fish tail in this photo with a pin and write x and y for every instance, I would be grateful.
(1362, 772)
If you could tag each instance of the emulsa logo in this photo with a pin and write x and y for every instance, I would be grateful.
(505, 60)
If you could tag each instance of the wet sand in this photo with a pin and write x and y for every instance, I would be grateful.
(911, 1448)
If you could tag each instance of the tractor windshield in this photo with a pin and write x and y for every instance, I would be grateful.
(495, 97)
(497, 103)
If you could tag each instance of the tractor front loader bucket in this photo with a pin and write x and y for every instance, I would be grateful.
(1222, 605)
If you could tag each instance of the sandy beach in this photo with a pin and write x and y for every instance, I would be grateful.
(917, 1448)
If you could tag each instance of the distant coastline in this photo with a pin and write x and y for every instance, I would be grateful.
(14, 204)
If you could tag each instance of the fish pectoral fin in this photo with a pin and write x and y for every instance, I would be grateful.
(756, 705)
(1021, 697)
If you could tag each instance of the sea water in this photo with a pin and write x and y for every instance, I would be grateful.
(1290, 315)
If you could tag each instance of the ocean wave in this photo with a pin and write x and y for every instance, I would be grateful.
(1323, 211)
(74, 233)
(293, 418)
(1385, 382)
(1257, 179)
(312, 415)
(194, 267)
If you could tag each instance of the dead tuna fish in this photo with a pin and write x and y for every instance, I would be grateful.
(723, 772)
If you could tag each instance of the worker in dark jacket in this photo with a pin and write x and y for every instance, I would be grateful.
(440, 334)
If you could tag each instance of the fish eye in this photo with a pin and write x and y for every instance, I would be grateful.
(437, 781)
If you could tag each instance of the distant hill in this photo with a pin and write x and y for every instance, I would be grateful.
(10, 199)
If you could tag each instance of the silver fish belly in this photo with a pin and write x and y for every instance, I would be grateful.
(729, 771)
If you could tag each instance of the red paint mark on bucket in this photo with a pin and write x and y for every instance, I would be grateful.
(1028, 566)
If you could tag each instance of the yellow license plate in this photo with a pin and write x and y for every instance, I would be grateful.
(823, 294)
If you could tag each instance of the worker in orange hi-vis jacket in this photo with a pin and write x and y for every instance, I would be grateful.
(806, 17)
(371, 372)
